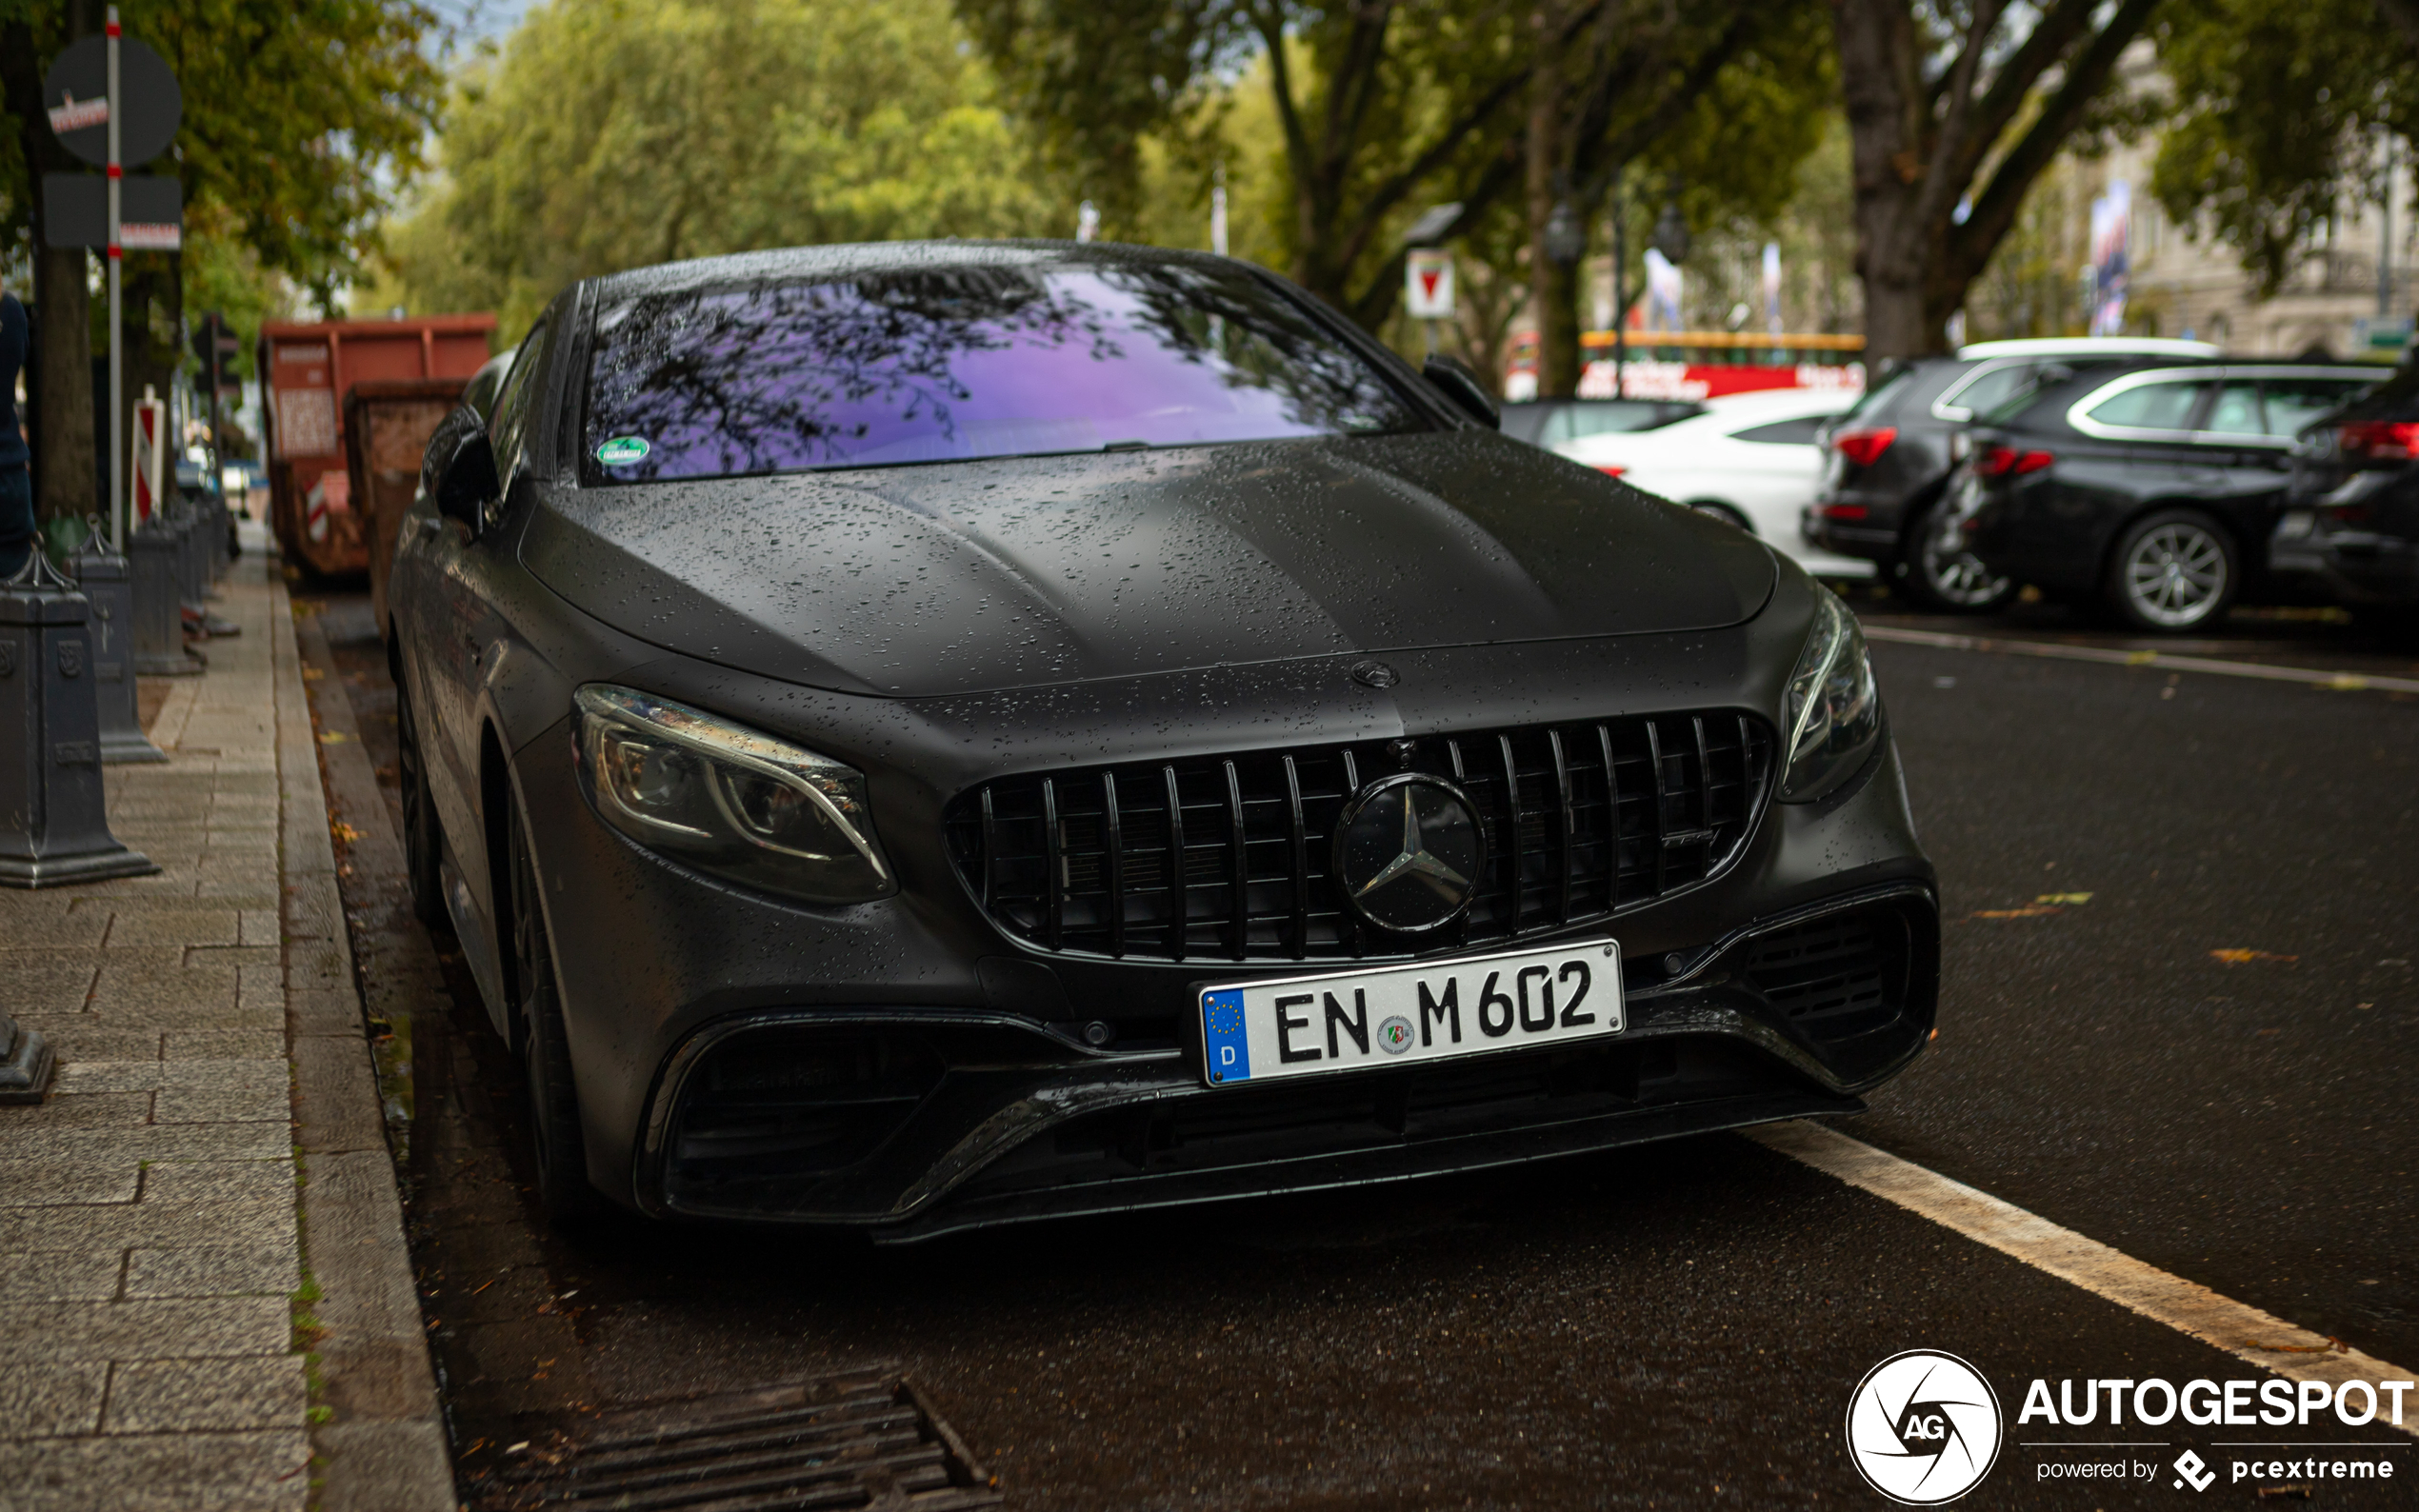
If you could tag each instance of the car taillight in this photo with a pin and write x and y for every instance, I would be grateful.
(1998, 461)
(1610, 470)
(1864, 447)
(2380, 440)
(1842, 511)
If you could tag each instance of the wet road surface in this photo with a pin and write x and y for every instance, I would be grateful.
(1677, 1326)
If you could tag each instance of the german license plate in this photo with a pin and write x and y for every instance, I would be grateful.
(1436, 1010)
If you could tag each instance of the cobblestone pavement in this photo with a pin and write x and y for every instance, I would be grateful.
(162, 1330)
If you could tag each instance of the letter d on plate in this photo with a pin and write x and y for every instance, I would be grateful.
(1224, 1043)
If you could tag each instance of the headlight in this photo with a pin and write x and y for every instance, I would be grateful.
(1833, 712)
(723, 798)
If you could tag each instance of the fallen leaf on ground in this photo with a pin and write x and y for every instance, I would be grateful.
(312, 674)
(344, 831)
(2063, 897)
(2242, 958)
(332, 737)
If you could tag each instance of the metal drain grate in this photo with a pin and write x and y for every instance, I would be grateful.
(865, 1441)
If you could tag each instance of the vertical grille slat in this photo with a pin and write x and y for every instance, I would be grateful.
(1239, 848)
(1566, 825)
(1301, 843)
(1582, 821)
(1054, 868)
(1178, 911)
(1115, 857)
(1512, 827)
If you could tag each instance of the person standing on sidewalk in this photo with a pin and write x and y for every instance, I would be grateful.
(16, 484)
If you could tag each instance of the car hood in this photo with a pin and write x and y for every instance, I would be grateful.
(981, 576)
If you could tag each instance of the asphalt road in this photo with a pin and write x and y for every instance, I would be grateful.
(1679, 1325)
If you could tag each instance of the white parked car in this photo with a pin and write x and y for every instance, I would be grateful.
(1749, 459)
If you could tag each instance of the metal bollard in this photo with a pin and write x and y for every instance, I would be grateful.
(106, 583)
(54, 826)
(26, 1065)
(218, 537)
(159, 619)
(195, 547)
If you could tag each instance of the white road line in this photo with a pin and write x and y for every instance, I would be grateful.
(2188, 1308)
(2337, 682)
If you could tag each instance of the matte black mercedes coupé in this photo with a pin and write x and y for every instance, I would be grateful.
(927, 735)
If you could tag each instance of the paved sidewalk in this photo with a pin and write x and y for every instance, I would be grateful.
(204, 1296)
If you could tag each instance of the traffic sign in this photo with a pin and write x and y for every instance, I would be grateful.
(76, 211)
(76, 93)
(1428, 283)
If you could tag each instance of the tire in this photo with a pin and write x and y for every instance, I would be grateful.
(1945, 578)
(557, 1149)
(1716, 509)
(2172, 571)
(420, 842)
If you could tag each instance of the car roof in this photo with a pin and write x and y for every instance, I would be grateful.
(2085, 346)
(847, 259)
(2050, 402)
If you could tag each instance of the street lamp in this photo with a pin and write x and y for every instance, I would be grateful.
(1671, 234)
(1564, 241)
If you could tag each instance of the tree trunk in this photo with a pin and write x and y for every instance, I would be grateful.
(1554, 287)
(1881, 82)
(61, 369)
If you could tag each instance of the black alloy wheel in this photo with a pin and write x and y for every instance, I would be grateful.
(2172, 570)
(419, 816)
(556, 1146)
(1943, 576)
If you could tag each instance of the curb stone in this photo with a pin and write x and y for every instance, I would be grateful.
(381, 1445)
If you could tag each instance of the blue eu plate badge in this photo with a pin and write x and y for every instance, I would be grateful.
(1225, 1044)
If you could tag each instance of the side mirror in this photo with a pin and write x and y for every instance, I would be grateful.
(1453, 377)
(467, 479)
(458, 423)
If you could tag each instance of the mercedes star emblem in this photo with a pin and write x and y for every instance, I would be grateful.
(1409, 852)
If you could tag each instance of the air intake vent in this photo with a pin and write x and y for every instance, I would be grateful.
(1836, 975)
(1227, 858)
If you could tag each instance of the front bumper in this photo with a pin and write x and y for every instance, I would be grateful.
(956, 1083)
(915, 1123)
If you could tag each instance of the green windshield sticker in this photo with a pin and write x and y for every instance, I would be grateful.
(623, 450)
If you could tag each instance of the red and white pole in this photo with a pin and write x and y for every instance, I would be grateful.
(117, 329)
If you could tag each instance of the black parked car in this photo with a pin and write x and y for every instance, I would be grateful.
(927, 735)
(2152, 491)
(2351, 520)
(1887, 460)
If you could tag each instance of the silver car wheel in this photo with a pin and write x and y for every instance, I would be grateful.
(1955, 575)
(2176, 575)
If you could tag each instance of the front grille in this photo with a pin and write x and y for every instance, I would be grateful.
(1227, 858)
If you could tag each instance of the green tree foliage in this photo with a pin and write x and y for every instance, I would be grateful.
(616, 133)
(1378, 108)
(299, 118)
(1954, 108)
(2279, 111)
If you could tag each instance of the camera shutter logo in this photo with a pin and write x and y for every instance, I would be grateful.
(1924, 1427)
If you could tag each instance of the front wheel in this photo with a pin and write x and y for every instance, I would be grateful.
(2173, 570)
(1946, 577)
(555, 1141)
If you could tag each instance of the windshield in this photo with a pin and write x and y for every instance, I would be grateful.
(963, 362)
